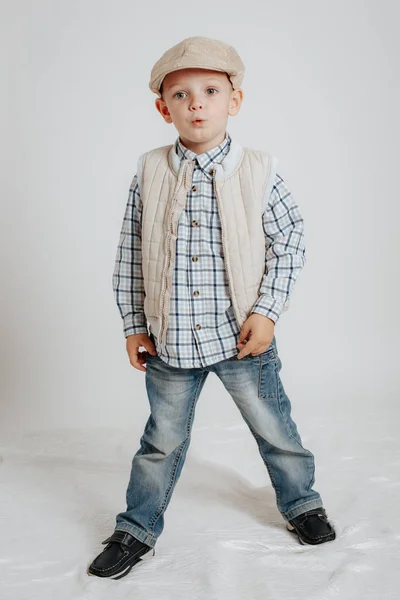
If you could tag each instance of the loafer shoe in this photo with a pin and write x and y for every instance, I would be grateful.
(122, 552)
(312, 527)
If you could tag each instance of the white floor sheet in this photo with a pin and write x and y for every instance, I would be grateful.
(223, 538)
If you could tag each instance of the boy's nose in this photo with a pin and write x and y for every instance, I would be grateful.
(195, 104)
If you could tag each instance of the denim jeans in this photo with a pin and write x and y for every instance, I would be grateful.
(255, 385)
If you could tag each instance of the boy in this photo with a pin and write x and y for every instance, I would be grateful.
(210, 248)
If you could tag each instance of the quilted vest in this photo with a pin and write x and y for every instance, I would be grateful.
(242, 185)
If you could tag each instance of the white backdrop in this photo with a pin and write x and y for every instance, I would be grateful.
(321, 92)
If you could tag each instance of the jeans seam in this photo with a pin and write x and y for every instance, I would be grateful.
(285, 421)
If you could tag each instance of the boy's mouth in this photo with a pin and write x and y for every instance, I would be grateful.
(198, 121)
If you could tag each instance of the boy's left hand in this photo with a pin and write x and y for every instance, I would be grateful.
(259, 331)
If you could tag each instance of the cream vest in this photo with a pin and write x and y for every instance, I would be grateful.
(242, 184)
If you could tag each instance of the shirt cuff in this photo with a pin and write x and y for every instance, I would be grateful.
(269, 307)
(134, 330)
(135, 323)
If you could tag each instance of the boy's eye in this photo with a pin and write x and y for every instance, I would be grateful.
(177, 95)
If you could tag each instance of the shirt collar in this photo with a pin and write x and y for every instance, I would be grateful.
(206, 159)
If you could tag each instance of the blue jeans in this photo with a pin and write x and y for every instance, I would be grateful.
(256, 388)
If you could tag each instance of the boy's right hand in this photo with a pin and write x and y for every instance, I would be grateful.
(136, 358)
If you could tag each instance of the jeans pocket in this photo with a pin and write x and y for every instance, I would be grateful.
(269, 353)
(268, 374)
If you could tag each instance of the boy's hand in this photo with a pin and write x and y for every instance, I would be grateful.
(259, 331)
(136, 358)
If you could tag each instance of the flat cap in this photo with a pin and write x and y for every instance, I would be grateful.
(201, 53)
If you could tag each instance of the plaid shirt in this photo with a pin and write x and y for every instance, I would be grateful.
(200, 292)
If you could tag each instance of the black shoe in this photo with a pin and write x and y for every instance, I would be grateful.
(122, 552)
(312, 527)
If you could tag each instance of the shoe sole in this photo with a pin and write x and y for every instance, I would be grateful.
(127, 569)
(293, 530)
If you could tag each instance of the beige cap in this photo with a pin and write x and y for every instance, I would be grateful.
(198, 52)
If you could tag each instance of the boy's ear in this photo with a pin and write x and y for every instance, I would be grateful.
(163, 110)
(235, 101)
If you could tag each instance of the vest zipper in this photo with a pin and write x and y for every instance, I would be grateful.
(223, 245)
(168, 260)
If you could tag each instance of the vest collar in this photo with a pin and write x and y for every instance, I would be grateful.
(223, 169)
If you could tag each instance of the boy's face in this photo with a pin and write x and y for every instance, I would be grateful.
(192, 94)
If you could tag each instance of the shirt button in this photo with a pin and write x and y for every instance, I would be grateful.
(195, 223)
(198, 326)
(196, 293)
(195, 258)
(194, 188)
